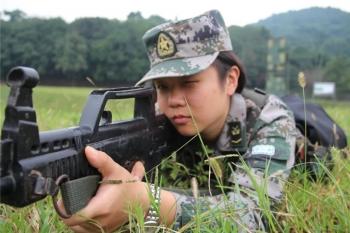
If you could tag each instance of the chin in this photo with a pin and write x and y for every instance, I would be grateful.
(186, 132)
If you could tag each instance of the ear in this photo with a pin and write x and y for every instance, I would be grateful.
(232, 80)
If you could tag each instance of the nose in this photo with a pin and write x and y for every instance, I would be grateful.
(176, 97)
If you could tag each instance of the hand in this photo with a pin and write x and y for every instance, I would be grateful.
(108, 209)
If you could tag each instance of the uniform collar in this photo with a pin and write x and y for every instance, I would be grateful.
(237, 116)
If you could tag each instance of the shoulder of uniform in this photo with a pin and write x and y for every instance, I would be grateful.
(258, 96)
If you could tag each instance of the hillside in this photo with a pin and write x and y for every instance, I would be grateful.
(325, 29)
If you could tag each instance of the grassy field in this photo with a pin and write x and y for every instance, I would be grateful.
(307, 206)
(61, 107)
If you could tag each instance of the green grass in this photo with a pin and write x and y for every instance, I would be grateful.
(307, 206)
(340, 112)
(61, 107)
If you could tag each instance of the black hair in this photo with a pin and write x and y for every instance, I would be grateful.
(224, 61)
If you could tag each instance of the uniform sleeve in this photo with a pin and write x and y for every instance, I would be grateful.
(247, 216)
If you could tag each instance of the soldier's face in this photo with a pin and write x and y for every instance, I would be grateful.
(203, 95)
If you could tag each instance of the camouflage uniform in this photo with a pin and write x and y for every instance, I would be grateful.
(267, 135)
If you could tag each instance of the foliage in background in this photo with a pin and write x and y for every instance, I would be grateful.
(338, 71)
(314, 29)
(317, 43)
(250, 44)
(108, 51)
(111, 52)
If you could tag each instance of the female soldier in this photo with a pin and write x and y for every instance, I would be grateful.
(199, 82)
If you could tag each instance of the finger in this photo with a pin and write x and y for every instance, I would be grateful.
(98, 208)
(78, 229)
(61, 208)
(90, 226)
(98, 224)
(138, 171)
(81, 218)
(74, 220)
(100, 160)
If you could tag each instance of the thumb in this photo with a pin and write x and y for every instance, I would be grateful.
(138, 170)
(101, 161)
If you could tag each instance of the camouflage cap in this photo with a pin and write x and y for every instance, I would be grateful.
(185, 47)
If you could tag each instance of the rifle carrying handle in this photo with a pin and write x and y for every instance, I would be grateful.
(144, 105)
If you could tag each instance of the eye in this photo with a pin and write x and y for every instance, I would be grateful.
(161, 87)
(190, 83)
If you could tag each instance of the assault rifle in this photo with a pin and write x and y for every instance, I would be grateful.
(35, 164)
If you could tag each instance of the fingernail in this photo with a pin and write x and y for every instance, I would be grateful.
(91, 149)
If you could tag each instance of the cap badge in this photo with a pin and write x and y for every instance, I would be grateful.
(165, 45)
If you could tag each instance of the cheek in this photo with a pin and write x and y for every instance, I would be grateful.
(207, 103)
(204, 96)
(199, 102)
(162, 103)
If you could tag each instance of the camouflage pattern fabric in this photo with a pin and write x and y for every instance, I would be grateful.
(185, 47)
(269, 141)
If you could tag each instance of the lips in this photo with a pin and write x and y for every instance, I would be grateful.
(181, 119)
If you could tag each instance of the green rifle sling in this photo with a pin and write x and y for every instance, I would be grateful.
(77, 193)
